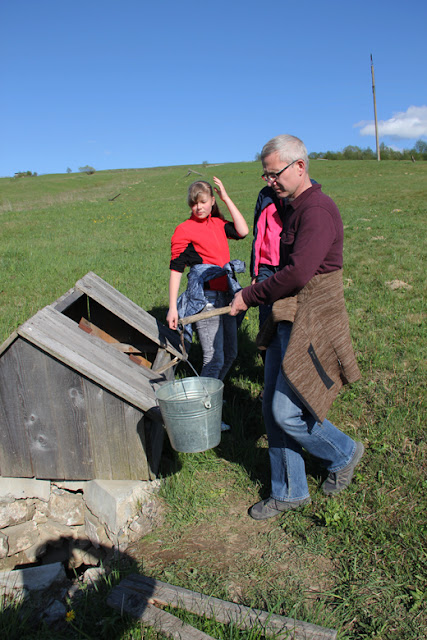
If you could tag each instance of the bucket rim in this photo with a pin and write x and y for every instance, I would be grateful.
(201, 380)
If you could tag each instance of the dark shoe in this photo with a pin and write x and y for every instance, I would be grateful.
(336, 482)
(271, 507)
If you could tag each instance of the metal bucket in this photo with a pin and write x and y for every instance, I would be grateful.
(191, 409)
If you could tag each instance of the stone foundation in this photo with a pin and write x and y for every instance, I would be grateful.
(76, 523)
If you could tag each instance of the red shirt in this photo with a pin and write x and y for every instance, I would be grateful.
(202, 242)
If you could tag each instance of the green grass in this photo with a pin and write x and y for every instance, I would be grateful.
(361, 554)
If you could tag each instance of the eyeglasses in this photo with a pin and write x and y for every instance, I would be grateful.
(272, 177)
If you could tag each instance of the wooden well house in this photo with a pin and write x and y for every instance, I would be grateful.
(77, 388)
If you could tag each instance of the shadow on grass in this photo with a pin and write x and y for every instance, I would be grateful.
(75, 605)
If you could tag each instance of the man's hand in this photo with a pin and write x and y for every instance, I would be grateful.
(238, 304)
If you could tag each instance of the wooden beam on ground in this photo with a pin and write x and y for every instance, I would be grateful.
(164, 622)
(142, 590)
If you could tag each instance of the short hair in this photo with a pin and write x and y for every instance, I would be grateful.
(201, 187)
(289, 148)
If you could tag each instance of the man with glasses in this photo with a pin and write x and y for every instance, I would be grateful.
(309, 353)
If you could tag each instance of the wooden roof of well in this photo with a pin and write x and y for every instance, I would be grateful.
(60, 337)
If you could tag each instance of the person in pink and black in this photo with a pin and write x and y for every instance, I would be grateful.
(266, 243)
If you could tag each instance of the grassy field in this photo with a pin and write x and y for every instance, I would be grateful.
(356, 562)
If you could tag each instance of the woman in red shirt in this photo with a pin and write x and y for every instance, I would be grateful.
(202, 239)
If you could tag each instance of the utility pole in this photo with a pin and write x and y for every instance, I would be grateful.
(375, 109)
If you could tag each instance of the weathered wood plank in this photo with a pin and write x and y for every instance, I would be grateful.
(10, 340)
(137, 452)
(161, 593)
(166, 623)
(92, 329)
(163, 364)
(95, 416)
(66, 409)
(15, 454)
(66, 300)
(115, 436)
(118, 450)
(35, 421)
(167, 366)
(106, 295)
(62, 338)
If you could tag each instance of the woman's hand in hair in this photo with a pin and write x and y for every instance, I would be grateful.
(220, 189)
(239, 221)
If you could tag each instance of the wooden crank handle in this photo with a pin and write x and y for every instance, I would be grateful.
(203, 315)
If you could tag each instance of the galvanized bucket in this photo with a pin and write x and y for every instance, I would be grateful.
(191, 409)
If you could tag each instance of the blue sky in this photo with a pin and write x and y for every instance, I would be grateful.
(141, 84)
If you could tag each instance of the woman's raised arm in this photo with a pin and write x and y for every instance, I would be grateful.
(239, 221)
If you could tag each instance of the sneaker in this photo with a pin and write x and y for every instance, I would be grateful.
(336, 482)
(225, 427)
(270, 507)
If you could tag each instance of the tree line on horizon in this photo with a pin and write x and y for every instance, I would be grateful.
(352, 152)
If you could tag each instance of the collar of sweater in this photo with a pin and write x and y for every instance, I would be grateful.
(299, 201)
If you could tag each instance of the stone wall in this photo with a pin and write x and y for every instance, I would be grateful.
(76, 523)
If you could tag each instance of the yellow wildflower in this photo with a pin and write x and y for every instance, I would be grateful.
(70, 615)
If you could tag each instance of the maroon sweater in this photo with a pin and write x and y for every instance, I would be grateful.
(311, 243)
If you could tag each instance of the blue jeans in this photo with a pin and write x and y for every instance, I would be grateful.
(290, 428)
(264, 272)
(218, 337)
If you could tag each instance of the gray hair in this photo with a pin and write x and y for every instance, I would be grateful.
(289, 148)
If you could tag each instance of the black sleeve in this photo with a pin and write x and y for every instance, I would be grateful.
(188, 258)
(230, 231)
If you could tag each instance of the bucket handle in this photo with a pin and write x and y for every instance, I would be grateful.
(207, 398)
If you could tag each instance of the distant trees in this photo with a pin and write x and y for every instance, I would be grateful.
(421, 147)
(87, 169)
(351, 152)
(25, 174)
(69, 170)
